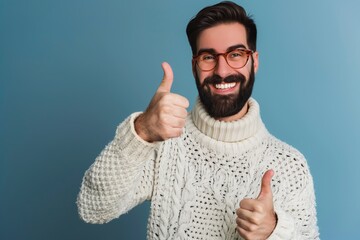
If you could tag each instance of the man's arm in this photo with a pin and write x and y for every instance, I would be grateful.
(120, 178)
(122, 175)
(256, 218)
(297, 211)
(292, 202)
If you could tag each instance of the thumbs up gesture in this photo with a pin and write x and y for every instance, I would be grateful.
(256, 218)
(166, 114)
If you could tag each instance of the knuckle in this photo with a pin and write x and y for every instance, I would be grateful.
(252, 228)
(163, 118)
(253, 219)
(166, 97)
(163, 126)
(243, 202)
(161, 103)
(178, 132)
(238, 212)
(167, 132)
(238, 221)
(243, 233)
(162, 106)
(185, 113)
(185, 102)
(181, 123)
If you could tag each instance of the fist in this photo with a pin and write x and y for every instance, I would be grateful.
(256, 218)
(166, 114)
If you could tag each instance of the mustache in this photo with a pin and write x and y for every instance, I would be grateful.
(216, 79)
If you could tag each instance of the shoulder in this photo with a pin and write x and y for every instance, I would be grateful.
(292, 173)
(286, 160)
(281, 150)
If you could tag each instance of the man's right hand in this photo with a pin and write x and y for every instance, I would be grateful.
(166, 114)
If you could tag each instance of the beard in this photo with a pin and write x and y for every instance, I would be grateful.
(220, 106)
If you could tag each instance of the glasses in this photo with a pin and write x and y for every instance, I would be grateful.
(236, 59)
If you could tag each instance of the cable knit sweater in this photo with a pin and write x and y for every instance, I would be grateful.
(195, 182)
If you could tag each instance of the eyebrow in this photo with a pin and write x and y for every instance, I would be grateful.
(212, 51)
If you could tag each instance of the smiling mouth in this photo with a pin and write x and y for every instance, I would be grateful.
(225, 85)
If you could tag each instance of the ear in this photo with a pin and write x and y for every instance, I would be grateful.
(256, 61)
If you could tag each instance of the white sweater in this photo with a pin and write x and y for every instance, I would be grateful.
(195, 182)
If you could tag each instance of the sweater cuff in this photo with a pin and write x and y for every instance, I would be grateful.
(285, 226)
(131, 143)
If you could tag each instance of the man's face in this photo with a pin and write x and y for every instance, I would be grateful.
(224, 91)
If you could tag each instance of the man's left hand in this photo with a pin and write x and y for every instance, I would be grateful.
(256, 218)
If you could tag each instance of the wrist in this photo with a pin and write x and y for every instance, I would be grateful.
(140, 129)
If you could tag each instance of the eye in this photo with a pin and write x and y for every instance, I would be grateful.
(207, 57)
(236, 54)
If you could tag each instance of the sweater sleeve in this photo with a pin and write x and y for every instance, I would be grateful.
(121, 177)
(296, 210)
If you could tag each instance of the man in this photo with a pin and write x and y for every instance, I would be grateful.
(215, 173)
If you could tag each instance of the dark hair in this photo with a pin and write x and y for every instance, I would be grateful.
(223, 12)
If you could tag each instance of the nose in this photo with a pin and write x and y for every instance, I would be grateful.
(222, 68)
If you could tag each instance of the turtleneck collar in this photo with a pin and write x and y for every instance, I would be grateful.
(230, 132)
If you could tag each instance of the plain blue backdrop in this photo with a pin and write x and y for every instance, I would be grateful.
(71, 71)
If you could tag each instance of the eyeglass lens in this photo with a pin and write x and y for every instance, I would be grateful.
(236, 59)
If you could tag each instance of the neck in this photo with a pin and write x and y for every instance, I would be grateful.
(246, 125)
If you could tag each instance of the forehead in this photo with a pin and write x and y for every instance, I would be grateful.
(222, 36)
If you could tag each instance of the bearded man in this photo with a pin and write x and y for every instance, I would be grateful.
(215, 172)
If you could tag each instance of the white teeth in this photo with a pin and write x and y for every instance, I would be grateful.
(225, 85)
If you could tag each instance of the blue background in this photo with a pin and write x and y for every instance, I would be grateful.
(71, 71)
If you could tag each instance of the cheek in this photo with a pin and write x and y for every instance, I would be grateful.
(202, 75)
(246, 71)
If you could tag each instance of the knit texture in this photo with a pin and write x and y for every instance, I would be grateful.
(195, 182)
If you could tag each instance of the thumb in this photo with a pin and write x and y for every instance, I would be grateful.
(166, 83)
(265, 191)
